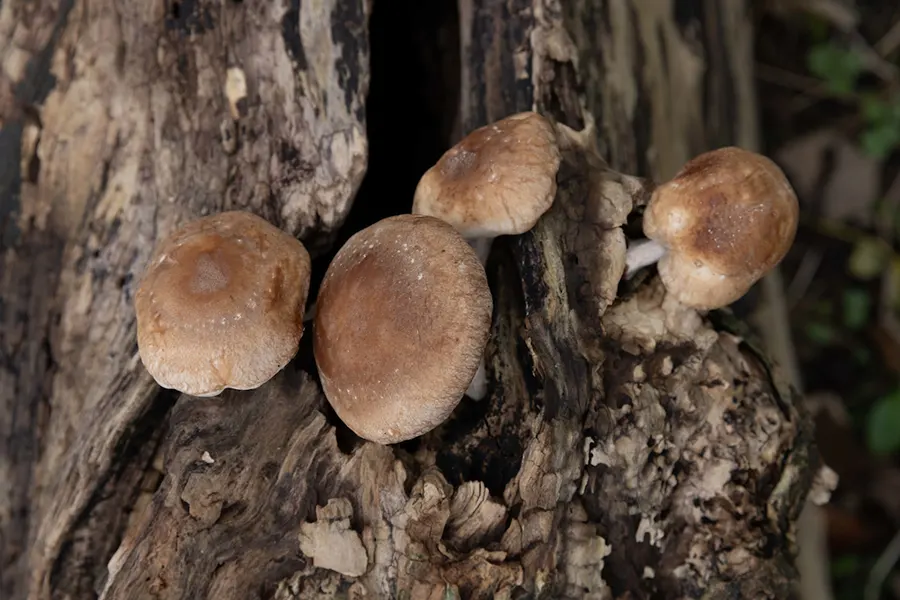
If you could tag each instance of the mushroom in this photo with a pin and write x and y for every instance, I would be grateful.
(403, 315)
(498, 180)
(725, 220)
(221, 304)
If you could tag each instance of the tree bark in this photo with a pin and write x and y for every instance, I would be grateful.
(629, 447)
(131, 118)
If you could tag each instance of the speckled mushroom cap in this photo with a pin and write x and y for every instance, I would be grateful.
(221, 304)
(727, 218)
(403, 315)
(498, 180)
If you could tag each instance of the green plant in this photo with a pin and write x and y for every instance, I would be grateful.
(840, 69)
(857, 308)
(881, 135)
(883, 425)
(846, 565)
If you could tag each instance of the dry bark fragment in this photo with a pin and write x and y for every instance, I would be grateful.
(330, 541)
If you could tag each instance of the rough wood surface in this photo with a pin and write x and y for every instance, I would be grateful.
(133, 117)
(629, 448)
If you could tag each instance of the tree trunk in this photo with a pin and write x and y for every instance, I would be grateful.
(629, 448)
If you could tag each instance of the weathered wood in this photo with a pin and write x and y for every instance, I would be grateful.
(132, 118)
(680, 424)
(629, 447)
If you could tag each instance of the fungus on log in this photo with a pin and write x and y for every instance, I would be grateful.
(628, 446)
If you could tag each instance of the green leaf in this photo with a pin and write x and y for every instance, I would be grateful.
(893, 284)
(857, 304)
(880, 141)
(883, 425)
(845, 565)
(817, 27)
(894, 107)
(820, 333)
(869, 258)
(874, 109)
(882, 134)
(838, 67)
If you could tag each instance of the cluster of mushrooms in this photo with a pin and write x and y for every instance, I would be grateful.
(404, 312)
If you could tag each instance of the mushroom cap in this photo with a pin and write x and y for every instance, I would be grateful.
(700, 287)
(727, 218)
(403, 316)
(498, 180)
(221, 304)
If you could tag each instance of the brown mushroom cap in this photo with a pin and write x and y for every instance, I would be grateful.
(221, 304)
(498, 180)
(727, 218)
(403, 316)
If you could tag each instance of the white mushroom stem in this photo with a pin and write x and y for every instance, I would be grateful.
(310, 314)
(642, 254)
(482, 247)
(478, 387)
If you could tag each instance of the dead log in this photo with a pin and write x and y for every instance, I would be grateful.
(131, 118)
(630, 448)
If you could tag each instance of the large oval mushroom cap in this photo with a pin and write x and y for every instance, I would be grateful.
(727, 218)
(403, 316)
(221, 304)
(498, 180)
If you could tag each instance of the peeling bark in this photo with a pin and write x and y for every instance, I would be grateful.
(628, 448)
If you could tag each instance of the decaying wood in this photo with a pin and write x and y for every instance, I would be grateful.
(630, 448)
(141, 115)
